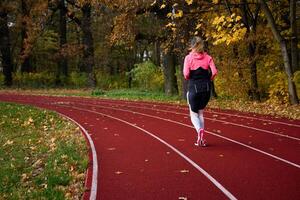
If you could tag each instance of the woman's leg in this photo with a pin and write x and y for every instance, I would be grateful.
(194, 115)
(195, 120)
(201, 120)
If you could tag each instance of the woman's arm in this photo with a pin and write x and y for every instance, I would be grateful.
(213, 69)
(186, 68)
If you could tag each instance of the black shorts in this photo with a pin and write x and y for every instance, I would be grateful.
(198, 95)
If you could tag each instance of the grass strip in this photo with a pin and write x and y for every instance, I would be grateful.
(42, 155)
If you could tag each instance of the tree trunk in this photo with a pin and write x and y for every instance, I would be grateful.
(5, 49)
(87, 38)
(25, 59)
(294, 40)
(170, 81)
(286, 60)
(250, 22)
(291, 84)
(62, 63)
(253, 71)
(183, 81)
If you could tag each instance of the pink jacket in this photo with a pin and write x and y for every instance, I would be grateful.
(195, 60)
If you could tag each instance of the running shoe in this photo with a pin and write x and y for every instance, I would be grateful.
(200, 141)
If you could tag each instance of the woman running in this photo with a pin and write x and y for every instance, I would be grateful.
(199, 69)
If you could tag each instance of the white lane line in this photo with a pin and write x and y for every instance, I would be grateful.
(93, 193)
(206, 174)
(257, 129)
(225, 122)
(223, 137)
(255, 118)
(210, 111)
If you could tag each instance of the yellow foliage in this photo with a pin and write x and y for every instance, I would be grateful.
(169, 15)
(278, 91)
(178, 14)
(189, 2)
(238, 18)
(226, 31)
(171, 24)
(162, 6)
(198, 26)
(296, 79)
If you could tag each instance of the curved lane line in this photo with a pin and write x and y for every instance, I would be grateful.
(93, 193)
(225, 122)
(207, 175)
(223, 137)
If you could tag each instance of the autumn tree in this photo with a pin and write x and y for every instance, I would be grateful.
(26, 65)
(5, 48)
(284, 50)
(63, 62)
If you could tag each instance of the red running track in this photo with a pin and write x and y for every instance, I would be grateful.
(145, 150)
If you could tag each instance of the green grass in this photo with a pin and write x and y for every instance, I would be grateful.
(42, 156)
(134, 94)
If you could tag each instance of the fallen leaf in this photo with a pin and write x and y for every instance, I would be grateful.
(182, 198)
(8, 142)
(33, 148)
(37, 163)
(184, 171)
(24, 177)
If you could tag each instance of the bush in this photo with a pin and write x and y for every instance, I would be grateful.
(106, 81)
(147, 76)
(78, 79)
(34, 80)
(297, 81)
(278, 90)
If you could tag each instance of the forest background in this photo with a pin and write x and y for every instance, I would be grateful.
(141, 44)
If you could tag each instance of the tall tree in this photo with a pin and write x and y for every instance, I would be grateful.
(170, 81)
(5, 46)
(25, 59)
(88, 52)
(63, 62)
(250, 21)
(284, 50)
(85, 23)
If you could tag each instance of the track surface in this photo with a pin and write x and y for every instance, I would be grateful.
(145, 150)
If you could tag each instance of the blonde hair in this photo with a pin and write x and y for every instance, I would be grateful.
(197, 44)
